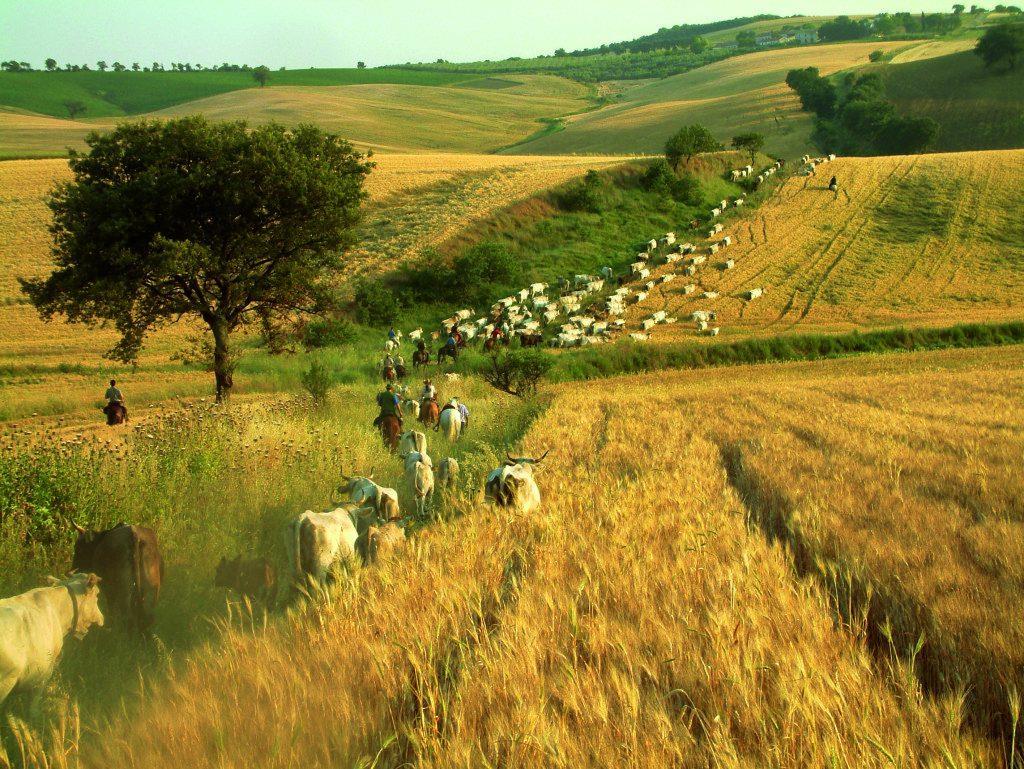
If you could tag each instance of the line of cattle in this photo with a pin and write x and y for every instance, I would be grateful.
(124, 563)
(528, 312)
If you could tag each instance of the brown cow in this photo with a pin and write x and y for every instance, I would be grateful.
(254, 578)
(127, 558)
(382, 541)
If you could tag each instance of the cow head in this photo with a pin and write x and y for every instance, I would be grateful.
(227, 572)
(85, 593)
(526, 461)
(85, 547)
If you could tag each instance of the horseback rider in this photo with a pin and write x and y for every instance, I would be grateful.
(390, 405)
(400, 366)
(392, 334)
(460, 408)
(429, 392)
(113, 395)
(388, 362)
(833, 186)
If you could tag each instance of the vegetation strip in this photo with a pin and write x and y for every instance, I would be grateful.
(633, 358)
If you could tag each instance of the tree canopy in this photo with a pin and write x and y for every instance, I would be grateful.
(1003, 44)
(749, 142)
(190, 218)
(689, 141)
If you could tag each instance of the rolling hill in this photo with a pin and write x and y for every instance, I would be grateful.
(477, 114)
(974, 107)
(917, 240)
(744, 93)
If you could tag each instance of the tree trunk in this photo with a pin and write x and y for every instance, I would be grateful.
(221, 359)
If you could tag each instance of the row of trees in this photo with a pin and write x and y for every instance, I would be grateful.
(102, 66)
(857, 119)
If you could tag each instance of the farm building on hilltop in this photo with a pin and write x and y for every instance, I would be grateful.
(807, 37)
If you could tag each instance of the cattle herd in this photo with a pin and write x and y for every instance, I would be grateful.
(590, 309)
(117, 574)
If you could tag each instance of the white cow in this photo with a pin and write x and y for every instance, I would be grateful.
(364, 492)
(419, 475)
(512, 485)
(416, 335)
(33, 627)
(538, 288)
(447, 472)
(411, 407)
(450, 424)
(316, 543)
(412, 440)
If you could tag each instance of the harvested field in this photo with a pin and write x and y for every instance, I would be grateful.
(918, 240)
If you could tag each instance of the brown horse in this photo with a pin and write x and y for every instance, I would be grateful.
(421, 358)
(389, 374)
(390, 429)
(429, 412)
(116, 413)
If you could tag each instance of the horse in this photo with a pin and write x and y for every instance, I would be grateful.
(421, 358)
(389, 374)
(116, 413)
(447, 352)
(450, 424)
(490, 343)
(429, 411)
(530, 340)
(390, 429)
(400, 371)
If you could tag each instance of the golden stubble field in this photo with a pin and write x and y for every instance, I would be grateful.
(915, 240)
(654, 614)
(416, 200)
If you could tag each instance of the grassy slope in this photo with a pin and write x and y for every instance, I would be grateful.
(746, 93)
(927, 240)
(974, 107)
(476, 115)
(592, 632)
(113, 94)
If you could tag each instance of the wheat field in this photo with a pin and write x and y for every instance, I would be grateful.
(654, 614)
(916, 240)
(743, 93)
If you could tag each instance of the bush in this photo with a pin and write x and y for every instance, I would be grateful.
(876, 56)
(317, 381)
(482, 269)
(688, 189)
(584, 195)
(660, 178)
(328, 332)
(376, 304)
(517, 372)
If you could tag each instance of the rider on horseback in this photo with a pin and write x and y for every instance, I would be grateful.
(390, 405)
(115, 401)
(429, 391)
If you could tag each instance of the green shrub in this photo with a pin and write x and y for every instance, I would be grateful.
(517, 372)
(317, 381)
(584, 195)
(375, 303)
(328, 332)
(481, 270)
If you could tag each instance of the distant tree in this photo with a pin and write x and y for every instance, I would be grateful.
(560, 52)
(51, 65)
(135, 67)
(517, 372)
(16, 66)
(746, 39)
(958, 9)
(817, 94)
(699, 44)
(842, 28)
(876, 56)
(1003, 44)
(119, 67)
(689, 141)
(157, 66)
(906, 135)
(85, 67)
(360, 65)
(129, 253)
(101, 66)
(261, 75)
(74, 108)
(749, 142)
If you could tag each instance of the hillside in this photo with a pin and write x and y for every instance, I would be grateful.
(476, 115)
(744, 93)
(417, 201)
(728, 628)
(114, 94)
(918, 240)
(974, 107)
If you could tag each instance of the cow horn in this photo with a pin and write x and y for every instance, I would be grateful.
(77, 528)
(541, 457)
(372, 471)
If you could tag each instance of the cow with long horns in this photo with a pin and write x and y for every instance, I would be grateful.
(512, 485)
(363, 492)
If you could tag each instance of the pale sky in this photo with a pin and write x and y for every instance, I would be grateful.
(338, 33)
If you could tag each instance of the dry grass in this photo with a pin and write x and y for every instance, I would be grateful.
(644, 619)
(417, 201)
(930, 239)
(385, 117)
(744, 93)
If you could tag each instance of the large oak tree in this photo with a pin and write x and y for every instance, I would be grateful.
(233, 225)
